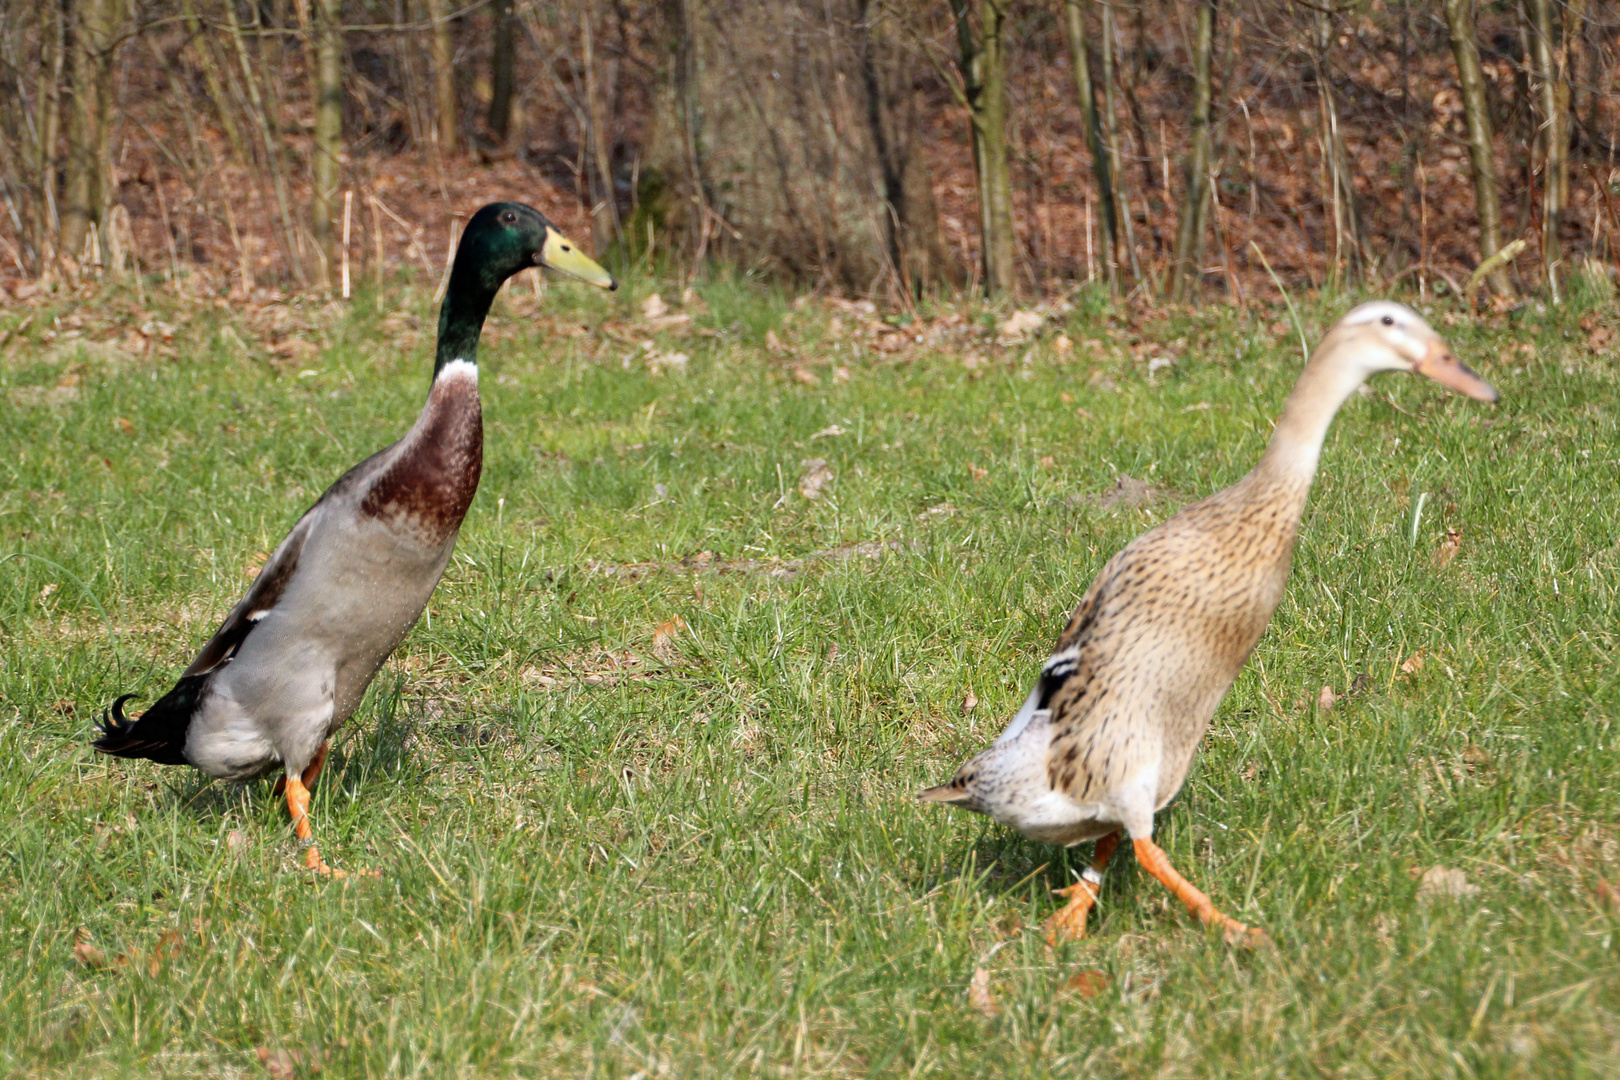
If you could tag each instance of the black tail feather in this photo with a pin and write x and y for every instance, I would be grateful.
(159, 734)
(114, 724)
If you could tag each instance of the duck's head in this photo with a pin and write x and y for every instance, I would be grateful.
(506, 237)
(1386, 336)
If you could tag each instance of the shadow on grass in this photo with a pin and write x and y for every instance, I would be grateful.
(1000, 865)
(360, 757)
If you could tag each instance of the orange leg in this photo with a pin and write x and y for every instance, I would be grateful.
(298, 807)
(1069, 922)
(311, 771)
(1153, 859)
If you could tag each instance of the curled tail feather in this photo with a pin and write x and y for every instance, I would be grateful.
(159, 734)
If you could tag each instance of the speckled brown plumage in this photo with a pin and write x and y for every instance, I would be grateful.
(1110, 728)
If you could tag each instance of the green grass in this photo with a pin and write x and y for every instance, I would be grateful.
(709, 862)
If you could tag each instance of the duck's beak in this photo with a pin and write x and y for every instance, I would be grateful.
(561, 253)
(1439, 364)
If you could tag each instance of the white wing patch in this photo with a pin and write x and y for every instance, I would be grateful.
(1021, 719)
(1060, 665)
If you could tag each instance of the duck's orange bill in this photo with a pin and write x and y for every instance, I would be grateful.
(1444, 368)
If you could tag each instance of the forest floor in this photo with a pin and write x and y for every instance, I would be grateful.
(640, 786)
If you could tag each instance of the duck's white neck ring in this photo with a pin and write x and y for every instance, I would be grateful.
(457, 369)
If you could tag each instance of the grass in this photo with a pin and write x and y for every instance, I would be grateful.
(609, 851)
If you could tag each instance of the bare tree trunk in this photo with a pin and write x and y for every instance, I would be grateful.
(94, 26)
(51, 60)
(984, 76)
(605, 207)
(211, 79)
(679, 18)
(916, 251)
(1091, 124)
(1554, 135)
(1110, 113)
(267, 138)
(1350, 253)
(444, 78)
(502, 73)
(328, 157)
(1481, 156)
(1185, 273)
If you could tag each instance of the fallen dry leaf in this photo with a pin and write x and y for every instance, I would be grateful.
(972, 361)
(772, 342)
(169, 946)
(814, 478)
(236, 842)
(87, 953)
(1445, 883)
(1062, 345)
(806, 376)
(1088, 983)
(1414, 663)
(123, 425)
(654, 307)
(1021, 323)
(281, 1064)
(659, 361)
(829, 432)
(979, 995)
(978, 473)
(970, 702)
(1326, 699)
(1599, 338)
(1048, 462)
(1607, 895)
(1448, 548)
(841, 375)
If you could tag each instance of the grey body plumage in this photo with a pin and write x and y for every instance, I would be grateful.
(292, 660)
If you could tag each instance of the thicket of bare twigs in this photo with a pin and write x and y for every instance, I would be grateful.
(1175, 147)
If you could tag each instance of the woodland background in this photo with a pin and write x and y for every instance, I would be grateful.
(1171, 148)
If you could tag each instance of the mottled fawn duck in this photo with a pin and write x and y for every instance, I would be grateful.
(1108, 732)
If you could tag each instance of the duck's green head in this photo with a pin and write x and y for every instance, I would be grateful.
(500, 240)
(506, 237)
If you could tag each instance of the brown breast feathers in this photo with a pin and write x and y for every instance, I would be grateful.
(430, 485)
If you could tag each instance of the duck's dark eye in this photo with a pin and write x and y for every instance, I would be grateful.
(1388, 320)
(509, 218)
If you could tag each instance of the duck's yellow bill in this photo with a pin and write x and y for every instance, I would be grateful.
(561, 253)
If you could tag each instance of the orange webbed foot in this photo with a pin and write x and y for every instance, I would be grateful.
(1152, 858)
(298, 807)
(1068, 923)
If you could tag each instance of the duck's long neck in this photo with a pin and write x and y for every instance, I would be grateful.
(461, 321)
(1296, 442)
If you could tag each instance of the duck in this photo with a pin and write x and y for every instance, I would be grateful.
(1109, 730)
(292, 660)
